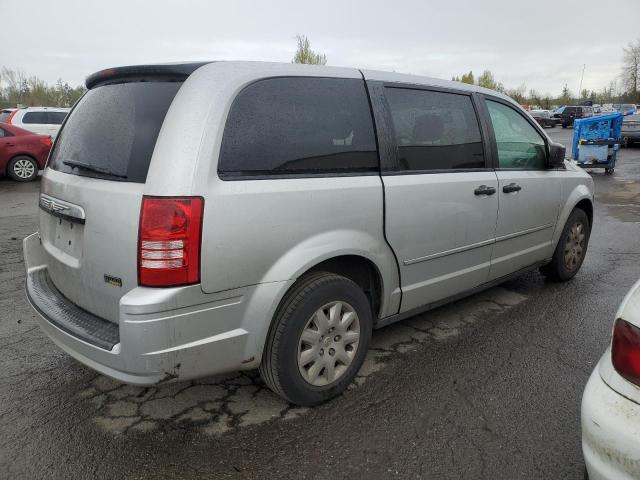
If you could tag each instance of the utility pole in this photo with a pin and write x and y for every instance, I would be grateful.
(584, 65)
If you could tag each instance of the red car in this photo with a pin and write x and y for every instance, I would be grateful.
(22, 153)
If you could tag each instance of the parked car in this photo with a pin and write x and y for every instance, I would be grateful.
(557, 113)
(611, 401)
(570, 113)
(22, 153)
(263, 235)
(42, 120)
(5, 113)
(625, 108)
(631, 129)
(544, 118)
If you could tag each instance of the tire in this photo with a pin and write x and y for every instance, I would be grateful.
(23, 169)
(283, 366)
(564, 126)
(609, 171)
(565, 263)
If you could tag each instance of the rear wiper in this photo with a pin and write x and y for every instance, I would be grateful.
(92, 168)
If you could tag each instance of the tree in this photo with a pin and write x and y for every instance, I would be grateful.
(584, 95)
(534, 98)
(18, 89)
(487, 80)
(304, 54)
(631, 69)
(468, 78)
(518, 94)
(565, 96)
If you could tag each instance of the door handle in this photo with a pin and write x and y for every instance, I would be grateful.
(10, 144)
(484, 190)
(512, 187)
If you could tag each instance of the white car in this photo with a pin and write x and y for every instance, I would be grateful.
(43, 120)
(611, 401)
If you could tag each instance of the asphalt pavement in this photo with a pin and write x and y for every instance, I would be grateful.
(485, 388)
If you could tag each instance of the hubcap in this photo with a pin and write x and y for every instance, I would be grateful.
(23, 168)
(574, 246)
(328, 343)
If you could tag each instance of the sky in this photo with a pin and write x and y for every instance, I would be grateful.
(540, 43)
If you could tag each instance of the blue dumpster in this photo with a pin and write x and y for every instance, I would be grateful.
(596, 141)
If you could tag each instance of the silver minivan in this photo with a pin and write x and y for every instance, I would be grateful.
(204, 218)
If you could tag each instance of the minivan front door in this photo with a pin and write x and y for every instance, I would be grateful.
(528, 195)
(441, 201)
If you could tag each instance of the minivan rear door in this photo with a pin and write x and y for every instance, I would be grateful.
(440, 195)
(92, 190)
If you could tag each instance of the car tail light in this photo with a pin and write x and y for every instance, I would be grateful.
(169, 241)
(625, 350)
(46, 141)
(10, 117)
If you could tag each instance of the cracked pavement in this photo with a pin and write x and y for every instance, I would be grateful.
(487, 387)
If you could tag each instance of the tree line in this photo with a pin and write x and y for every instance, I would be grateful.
(19, 89)
(627, 91)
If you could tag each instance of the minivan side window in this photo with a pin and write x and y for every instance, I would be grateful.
(435, 130)
(299, 126)
(519, 145)
(35, 117)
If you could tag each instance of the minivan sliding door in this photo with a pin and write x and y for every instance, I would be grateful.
(440, 196)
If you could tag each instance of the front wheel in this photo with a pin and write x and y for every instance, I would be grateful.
(318, 339)
(23, 169)
(571, 249)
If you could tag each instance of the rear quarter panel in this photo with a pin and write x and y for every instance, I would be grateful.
(260, 231)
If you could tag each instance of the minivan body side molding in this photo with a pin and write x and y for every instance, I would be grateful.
(476, 245)
(449, 252)
(383, 322)
(524, 232)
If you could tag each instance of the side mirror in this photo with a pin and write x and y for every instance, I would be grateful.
(557, 153)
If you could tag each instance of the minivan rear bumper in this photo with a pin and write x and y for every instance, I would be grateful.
(162, 334)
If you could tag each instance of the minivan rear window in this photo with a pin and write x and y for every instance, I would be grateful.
(4, 114)
(112, 131)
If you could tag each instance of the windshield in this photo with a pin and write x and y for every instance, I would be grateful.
(112, 131)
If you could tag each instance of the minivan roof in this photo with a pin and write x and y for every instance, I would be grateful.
(180, 71)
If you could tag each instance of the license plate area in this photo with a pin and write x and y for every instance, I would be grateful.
(67, 236)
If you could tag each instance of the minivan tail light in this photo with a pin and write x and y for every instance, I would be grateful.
(625, 350)
(169, 241)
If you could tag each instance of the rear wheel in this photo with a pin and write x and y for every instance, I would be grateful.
(571, 249)
(608, 170)
(23, 169)
(318, 340)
